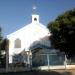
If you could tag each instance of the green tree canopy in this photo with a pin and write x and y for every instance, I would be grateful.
(3, 48)
(63, 32)
(0, 37)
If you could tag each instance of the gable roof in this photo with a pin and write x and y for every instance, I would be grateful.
(27, 28)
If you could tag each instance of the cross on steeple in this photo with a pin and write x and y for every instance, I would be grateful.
(34, 9)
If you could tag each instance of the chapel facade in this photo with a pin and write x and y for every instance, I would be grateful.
(31, 45)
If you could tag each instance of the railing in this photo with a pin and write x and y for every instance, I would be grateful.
(43, 61)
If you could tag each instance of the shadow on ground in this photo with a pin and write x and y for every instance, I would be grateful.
(37, 73)
(67, 73)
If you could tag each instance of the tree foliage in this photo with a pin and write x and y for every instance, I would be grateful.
(3, 46)
(63, 32)
(0, 37)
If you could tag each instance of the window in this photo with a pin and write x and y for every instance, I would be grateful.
(17, 43)
(35, 19)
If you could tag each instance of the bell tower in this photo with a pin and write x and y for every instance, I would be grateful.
(35, 17)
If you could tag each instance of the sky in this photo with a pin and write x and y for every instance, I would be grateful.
(15, 14)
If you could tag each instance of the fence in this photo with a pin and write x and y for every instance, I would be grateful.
(48, 59)
(44, 61)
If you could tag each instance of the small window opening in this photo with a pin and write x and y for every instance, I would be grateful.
(35, 19)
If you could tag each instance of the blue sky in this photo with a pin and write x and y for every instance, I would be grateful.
(15, 14)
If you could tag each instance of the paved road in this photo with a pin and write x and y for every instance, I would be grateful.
(37, 73)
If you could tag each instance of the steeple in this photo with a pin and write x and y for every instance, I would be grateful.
(35, 17)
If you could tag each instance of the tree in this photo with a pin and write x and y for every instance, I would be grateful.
(63, 33)
(0, 37)
(3, 48)
(0, 44)
(5, 44)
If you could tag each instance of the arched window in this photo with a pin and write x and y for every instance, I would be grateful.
(35, 19)
(17, 43)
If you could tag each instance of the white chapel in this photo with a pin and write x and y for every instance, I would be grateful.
(30, 45)
(29, 37)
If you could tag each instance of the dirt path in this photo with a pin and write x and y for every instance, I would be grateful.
(51, 72)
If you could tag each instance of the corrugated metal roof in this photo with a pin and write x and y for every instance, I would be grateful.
(39, 46)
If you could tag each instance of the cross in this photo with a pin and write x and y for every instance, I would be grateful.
(34, 9)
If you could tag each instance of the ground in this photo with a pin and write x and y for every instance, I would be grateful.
(59, 72)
